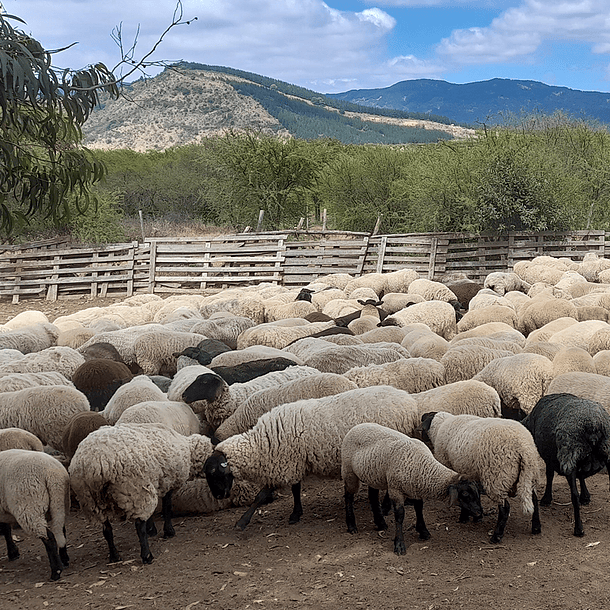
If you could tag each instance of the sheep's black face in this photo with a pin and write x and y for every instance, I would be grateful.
(304, 295)
(218, 475)
(208, 386)
(468, 497)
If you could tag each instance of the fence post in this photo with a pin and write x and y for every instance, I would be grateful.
(261, 215)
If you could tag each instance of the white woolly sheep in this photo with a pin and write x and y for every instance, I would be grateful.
(571, 359)
(24, 319)
(438, 315)
(468, 397)
(341, 358)
(35, 494)
(395, 301)
(75, 337)
(429, 346)
(539, 312)
(124, 470)
(244, 306)
(386, 334)
(601, 360)
(487, 297)
(278, 336)
(57, 359)
(462, 362)
(521, 380)
(491, 313)
(225, 329)
(30, 338)
(532, 272)
(491, 329)
(499, 453)
(431, 291)
(399, 281)
(548, 330)
(214, 400)
(376, 281)
(175, 415)
(409, 374)
(11, 382)
(295, 440)
(247, 413)
(387, 460)
(579, 334)
(503, 282)
(591, 386)
(141, 388)
(42, 410)
(16, 438)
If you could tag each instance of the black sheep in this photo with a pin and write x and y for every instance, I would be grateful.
(99, 379)
(246, 371)
(572, 435)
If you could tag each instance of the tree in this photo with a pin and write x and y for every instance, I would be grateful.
(42, 109)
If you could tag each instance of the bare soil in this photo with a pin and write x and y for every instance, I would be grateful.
(316, 563)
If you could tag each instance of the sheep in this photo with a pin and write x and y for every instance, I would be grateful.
(16, 438)
(175, 415)
(499, 453)
(592, 312)
(138, 389)
(387, 334)
(571, 359)
(75, 337)
(395, 301)
(25, 319)
(544, 348)
(503, 282)
(11, 382)
(429, 346)
(205, 351)
(306, 347)
(242, 306)
(491, 313)
(464, 290)
(601, 360)
(431, 291)
(591, 386)
(248, 412)
(398, 281)
(154, 351)
(520, 380)
(124, 470)
(59, 359)
(540, 311)
(247, 371)
(10, 355)
(99, 379)
(548, 330)
(275, 310)
(214, 400)
(532, 272)
(225, 329)
(572, 435)
(256, 352)
(35, 494)
(387, 460)
(78, 427)
(341, 358)
(102, 350)
(462, 362)
(295, 440)
(376, 281)
(30, 339)
(409, 374)
(42, 410)
(469, 397)
(579, 334)
(495, 341)
(278, 336)
(438, 315)
(491, 329)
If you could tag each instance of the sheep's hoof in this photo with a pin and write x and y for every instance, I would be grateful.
(546, 501)
(536, 530)
(55, 574)
(114, 558)
(294, 518)
(148, 559)
(399, 547)
(63, 555)
(579, 532)
(585, 500)
(352, 529)
(495, 539)
(169, 532)
(13, 555)
(424, 535)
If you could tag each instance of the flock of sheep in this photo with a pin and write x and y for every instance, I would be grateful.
(424, 390)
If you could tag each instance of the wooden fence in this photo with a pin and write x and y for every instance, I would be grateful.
(175, 265)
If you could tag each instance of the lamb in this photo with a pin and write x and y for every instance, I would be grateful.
(175, 415)
(499, 453)
(99, 379)
(80, 425)
(139, 389)
(124, 470)
(42, 410)
(409, 374)
(210, 396)
(520, 380)
(385, 459)
(30, 339)
(295, 440)
(16, 438)
(35, 494)
(247, 413)
(572, 435)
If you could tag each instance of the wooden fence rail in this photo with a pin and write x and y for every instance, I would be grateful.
(175, 265)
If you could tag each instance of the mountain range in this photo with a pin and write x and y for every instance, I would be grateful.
(491, 102)
(188, 102)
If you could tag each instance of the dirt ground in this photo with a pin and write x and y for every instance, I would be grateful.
(316, 563)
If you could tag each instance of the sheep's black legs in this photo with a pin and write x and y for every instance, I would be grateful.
(145, 553)
(578, 528)
(297, 510)
(50, 544)
(585, 496)
(350, 517)
(166, 510)
(536, 527)
(503, 513)
(264, 496)
(399, 540)
(420, 525)
(11, 548)
(380, 523)
(108, 535)
(386, 504)
(151, 528)
(547, 498)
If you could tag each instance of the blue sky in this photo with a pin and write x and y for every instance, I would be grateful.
(339, 45)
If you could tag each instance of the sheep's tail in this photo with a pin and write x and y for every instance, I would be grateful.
(59, 509)
(528, 479)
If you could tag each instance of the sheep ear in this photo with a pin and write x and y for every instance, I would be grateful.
(426, 420)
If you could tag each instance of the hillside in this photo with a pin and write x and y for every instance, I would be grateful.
(486, 101)
(183, 106)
